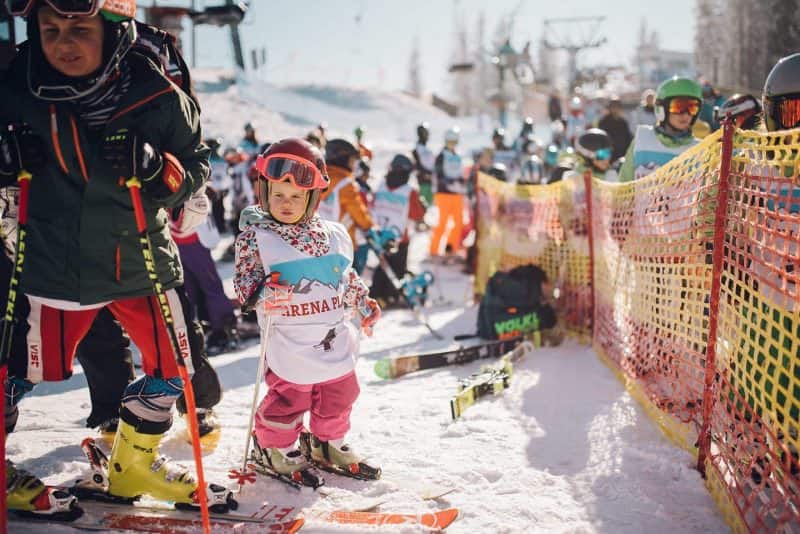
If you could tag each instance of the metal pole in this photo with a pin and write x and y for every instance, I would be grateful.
(502, 95)
(194, 38)
(237, 42)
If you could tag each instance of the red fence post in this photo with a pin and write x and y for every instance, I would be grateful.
(720, 218)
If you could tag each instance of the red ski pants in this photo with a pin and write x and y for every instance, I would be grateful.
(54, 335)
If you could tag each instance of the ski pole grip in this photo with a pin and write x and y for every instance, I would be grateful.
(24, 180)
(135, 187)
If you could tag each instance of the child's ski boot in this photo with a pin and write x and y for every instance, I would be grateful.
(27, 496)
(287, 465)
(336, 458)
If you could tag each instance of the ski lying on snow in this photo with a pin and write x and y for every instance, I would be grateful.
(433, 520)
(401, 365)
(491, 380)
(103, 516)
(271, 518)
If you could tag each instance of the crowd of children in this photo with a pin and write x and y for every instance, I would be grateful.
(81, 128)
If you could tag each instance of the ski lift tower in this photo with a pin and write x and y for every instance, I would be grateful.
(581, 33)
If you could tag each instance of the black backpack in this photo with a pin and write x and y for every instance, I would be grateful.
(159, 46)
(512, 305)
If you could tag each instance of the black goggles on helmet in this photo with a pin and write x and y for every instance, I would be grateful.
(784, 110)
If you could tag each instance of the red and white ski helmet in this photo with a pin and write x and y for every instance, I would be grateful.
(297, 148)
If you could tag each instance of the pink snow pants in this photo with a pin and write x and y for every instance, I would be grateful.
(279, 418)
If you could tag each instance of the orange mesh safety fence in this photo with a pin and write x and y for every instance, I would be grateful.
(752, 461)
(652, 239)
(697, 309)
(696, 301)
(544, 225)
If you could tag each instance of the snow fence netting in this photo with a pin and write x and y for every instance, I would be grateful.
(687, 281)
(545, 225)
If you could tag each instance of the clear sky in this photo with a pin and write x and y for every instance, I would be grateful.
(368, 43)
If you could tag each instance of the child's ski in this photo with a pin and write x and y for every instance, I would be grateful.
(433, 520)
(401, 365)
(107, 516)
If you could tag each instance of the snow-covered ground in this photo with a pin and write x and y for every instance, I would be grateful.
(564, 449)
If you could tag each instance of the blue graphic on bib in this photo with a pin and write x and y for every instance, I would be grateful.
(303, 274)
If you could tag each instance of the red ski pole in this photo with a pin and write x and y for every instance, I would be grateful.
(24, 180)
(134, 186)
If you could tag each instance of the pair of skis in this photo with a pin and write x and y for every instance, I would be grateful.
(491, 380)
(101, 511)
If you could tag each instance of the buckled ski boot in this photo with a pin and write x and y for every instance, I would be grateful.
(338, 458)
(289, 465)
(208, 428)
(135, 469)
(27, 496)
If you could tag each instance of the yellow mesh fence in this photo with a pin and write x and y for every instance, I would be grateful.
(540, 225)
(653, 276)
(692, 281)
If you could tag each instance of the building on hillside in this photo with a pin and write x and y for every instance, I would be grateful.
(654, 64)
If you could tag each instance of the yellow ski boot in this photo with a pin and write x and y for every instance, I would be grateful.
(135, 469)
(27, 496)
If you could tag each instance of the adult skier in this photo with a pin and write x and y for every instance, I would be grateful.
(74, 119)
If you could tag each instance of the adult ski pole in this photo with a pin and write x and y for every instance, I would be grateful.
(134, 187)
(24, 180)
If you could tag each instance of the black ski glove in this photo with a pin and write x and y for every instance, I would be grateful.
(160, 174)
(20, 149)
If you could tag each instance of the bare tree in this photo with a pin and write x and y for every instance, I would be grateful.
(738, 41)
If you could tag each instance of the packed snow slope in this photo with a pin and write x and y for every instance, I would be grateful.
(564, 449)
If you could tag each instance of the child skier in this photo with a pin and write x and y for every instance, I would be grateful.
(451, 190)
(396, 204)
(594, 149)
(310, 345)
(196, 236)
(678, 102)
(83, 113)
(342, 201)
